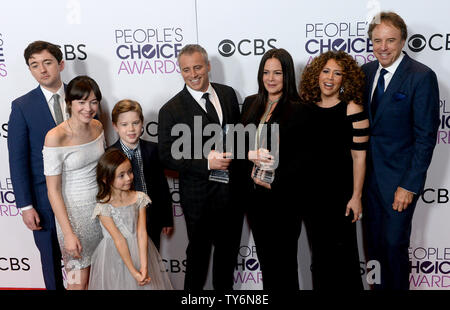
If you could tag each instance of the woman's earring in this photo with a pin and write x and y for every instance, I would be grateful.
(341, 90)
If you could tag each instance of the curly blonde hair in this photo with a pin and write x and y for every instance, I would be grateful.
(352, 78)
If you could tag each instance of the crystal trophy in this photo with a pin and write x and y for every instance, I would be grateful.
(266, 175)
(266, 171)
(222, 176)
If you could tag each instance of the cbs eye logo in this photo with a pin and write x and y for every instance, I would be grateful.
(417, 43)
(226, 48)
(246, 47)
(435, 42)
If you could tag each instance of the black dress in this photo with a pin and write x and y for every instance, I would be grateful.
(329, 184)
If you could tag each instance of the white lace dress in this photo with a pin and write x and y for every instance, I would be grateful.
(108, 270)
(77, 165)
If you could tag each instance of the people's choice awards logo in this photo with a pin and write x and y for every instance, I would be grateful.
(3, 71)
(247, 267)
(347, 36)
(148, 51)
(8, 206)
(429, 267)
(443, 135)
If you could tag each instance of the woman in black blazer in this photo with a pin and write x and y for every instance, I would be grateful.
(272, 205)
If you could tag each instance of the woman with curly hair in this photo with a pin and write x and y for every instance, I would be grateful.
(332, 86)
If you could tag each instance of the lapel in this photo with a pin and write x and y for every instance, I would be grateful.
(117, 145)
(394, 85)
(144, 152)
(370, 79)
(222, 99)
(372, 70)
(197, 109)
(193, 105)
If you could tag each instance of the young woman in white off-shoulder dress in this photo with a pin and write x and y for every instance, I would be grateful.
(71, 152)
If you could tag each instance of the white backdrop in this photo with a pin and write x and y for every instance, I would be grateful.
(130, 49)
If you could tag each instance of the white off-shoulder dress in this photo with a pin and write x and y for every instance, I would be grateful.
(77, 165)
(108, 270)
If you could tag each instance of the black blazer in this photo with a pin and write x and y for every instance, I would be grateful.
(156, 182)
(196, 191)
(292, 121)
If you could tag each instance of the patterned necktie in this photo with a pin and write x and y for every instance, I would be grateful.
(57, 109)
(378, 93)
(136, 172)
(210, 109)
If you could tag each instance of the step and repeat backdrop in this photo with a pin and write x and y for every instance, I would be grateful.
(130, 48)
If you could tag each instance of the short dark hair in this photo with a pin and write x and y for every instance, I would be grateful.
(79, 88)
(391, 18)
(39, 46)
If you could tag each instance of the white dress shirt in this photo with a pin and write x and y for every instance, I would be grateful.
(388, 76)
(197, 95)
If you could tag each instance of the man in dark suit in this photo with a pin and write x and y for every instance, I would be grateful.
(212, 217)
(128, 122)
(32, 116)
(402, 100)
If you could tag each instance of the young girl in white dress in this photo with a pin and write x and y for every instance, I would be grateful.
(125, 259)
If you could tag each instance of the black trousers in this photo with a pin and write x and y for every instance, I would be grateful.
(154, 227)
(218, 225)
(334, 250)
(276, 227)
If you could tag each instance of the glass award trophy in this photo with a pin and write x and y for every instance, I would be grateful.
(266, 171)
(265, 174)
(222, 176)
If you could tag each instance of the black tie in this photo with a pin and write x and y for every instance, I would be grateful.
(210, 109)
(378, 93)
(136, 171)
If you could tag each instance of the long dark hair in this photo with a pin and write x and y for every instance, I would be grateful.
(289, 92)
(106, 172)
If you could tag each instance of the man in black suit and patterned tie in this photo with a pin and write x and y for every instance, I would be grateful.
(212, 217)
